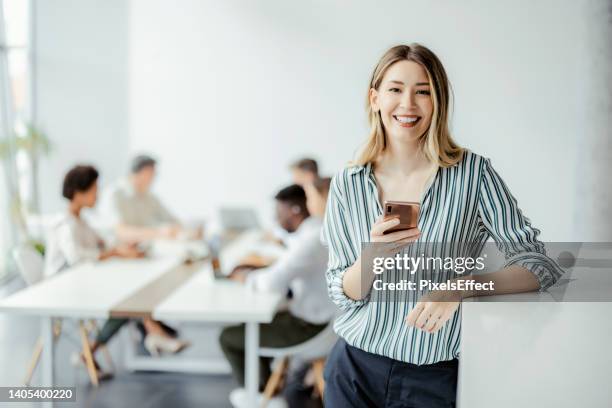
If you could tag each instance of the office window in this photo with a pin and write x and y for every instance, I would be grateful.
(16, 188)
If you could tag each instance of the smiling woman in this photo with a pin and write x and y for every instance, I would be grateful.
(390, 95)
(405, 352)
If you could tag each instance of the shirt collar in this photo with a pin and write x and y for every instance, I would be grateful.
(359, 168)
(309, 222)
(126, 185)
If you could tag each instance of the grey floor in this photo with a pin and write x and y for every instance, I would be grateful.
(140, 389)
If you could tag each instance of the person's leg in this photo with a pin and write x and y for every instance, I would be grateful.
(232, 344)
(170, 331)
(285, 330)
(355, 378)
(110, 328)
(157, 340)
(296, 393)
(233, 349)
(154, 327)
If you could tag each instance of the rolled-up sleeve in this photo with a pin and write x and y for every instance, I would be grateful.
(343, 250)
(299, 260)
(512, 231)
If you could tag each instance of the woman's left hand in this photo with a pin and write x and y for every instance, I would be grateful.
(433, 310)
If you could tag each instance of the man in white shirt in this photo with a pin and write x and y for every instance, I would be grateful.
(133, 211)
(301, 269)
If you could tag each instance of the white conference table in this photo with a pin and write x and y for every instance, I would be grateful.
(94, 290)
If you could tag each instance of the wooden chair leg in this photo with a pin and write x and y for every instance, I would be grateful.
(33, 361)
(57, 328)
(89, 361)
(108, 358)
(91, 326)
(274, 381)
(317, 368)
(57, 331)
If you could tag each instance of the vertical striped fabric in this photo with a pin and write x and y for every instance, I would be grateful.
(467, 203)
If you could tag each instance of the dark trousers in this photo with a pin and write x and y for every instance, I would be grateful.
(110, 328)
(358, 379)
(285, 330)
(296, 393)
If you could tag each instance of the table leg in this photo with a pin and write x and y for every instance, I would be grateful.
(251, 370)
(47, 355)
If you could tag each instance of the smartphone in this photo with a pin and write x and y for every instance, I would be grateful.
(408, 213)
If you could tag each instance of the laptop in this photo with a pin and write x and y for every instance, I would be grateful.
(238, 219)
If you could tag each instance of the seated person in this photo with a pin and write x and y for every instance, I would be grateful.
(304, 171)
(72, 240)
(301, 268)
(298, 390)
(135, 213)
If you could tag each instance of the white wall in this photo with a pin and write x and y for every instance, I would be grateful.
(593, 217)
(228, 93)
(81, 86)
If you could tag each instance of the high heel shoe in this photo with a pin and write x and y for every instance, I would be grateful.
(155, 344)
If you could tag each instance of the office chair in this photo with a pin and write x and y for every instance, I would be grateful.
(30, 264)
(314, 350)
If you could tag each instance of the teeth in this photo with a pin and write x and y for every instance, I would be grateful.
(404, 119)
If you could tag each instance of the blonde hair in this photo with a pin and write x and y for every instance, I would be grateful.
(436, 142)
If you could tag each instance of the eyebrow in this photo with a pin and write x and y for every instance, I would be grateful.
(417, 84)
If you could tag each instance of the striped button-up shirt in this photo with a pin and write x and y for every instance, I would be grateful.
(468, 202)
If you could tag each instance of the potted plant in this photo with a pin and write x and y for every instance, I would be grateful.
(32, 142)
